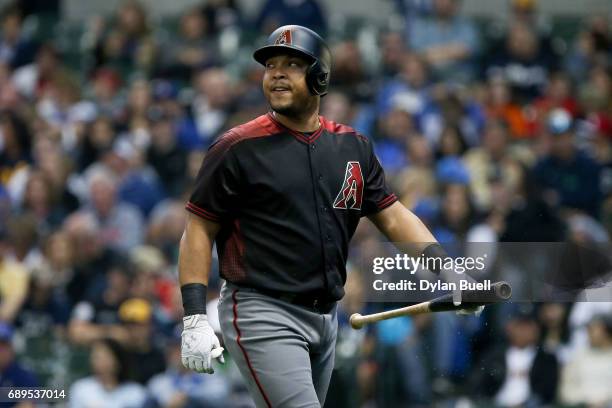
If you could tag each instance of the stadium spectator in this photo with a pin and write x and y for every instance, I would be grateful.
(38, 201)
(97, 139)
(522, 62)
(587, 377)
(457, 212)
(92, 259)
(32, 80)
(8, 89)
(16, 49)
(166, 226)
(408, 88)
(221, 15)
(15, 155)
(519, 372)
(569, 178)
(493, 160)
(448, 42)
(59, 257)
(109, 381)
(51, 160)
(558, 93)
(180, 387)
(105, 92)
(166, 155)
(143, 349)
(392, 133)
(121, 225)
(553, 319)
(138, 104)
(210, 108)
(417, 184)
(350, 74)
(191, 50)
(98, 316)
(12, 373)
(14, 281)
(127, 44)
(527, 12)
(590, 47)
(499, 105)
(392, 49)
(275, 13)
(594, 96)
(139, 184)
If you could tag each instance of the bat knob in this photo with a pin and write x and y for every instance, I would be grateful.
(356, 322)
(503, 290)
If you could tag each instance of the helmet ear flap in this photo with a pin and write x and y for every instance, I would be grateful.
(317, 79)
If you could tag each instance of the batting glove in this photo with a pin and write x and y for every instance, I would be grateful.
(199, 344)
(452, 276)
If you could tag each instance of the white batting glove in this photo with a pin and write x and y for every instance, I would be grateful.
(452, 276)
(199, 344)
(468, 311)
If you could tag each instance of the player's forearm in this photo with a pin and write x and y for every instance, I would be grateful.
(195, 251)
(400, 225)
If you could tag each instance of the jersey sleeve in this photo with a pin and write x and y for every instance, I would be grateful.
(216, 187)
(377, 193)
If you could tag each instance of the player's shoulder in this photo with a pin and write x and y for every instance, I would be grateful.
(261, 126)
(341, 129)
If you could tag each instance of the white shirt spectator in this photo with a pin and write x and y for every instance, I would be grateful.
(90, 393)
(516, 389)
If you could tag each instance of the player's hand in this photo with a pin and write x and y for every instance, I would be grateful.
(472, 310)
(456, 278)
(199, 344)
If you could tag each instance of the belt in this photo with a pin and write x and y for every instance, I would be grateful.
(316, 301)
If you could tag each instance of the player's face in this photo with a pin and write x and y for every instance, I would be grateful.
(284, 85)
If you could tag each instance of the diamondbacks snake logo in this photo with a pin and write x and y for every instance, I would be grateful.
(351, 193)
(284, 38)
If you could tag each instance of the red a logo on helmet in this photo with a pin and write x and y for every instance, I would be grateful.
(351, 193)
(284, 38)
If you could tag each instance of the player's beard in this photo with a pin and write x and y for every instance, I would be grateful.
(300, 105)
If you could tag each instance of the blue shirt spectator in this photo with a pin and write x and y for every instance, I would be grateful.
(12, 374)
(448, 42)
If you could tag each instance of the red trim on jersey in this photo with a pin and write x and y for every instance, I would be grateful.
(258, 127)
(334, 127)
(386, 202)
(302, 137)
(199, 211)
(244, 352)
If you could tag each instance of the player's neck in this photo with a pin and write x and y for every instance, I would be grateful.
(306, 123)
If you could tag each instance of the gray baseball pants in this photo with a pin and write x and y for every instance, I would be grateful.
(284, 352)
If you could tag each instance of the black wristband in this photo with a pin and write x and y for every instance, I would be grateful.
(194, 298)
(434, 251)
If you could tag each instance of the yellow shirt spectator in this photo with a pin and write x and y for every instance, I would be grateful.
(14, 281)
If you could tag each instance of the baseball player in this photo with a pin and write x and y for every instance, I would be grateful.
(282, 196)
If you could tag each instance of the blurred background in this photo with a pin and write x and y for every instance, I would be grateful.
(493, 120)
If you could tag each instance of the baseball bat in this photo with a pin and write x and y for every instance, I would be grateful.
(499, 291)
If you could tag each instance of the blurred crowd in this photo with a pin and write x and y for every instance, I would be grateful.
(490, 130)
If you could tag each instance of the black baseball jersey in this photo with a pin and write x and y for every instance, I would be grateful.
(288, 203)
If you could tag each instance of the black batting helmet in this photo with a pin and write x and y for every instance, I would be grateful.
(307, 44)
